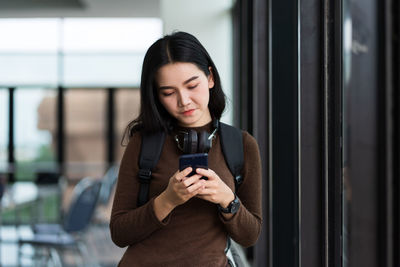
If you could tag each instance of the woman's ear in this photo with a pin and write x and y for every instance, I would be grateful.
(210, 78)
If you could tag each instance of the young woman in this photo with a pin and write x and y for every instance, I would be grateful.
(187, 219)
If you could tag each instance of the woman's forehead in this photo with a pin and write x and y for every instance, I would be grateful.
(178, 72)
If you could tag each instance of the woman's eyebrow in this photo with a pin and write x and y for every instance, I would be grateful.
(185, 82)
(191, 79)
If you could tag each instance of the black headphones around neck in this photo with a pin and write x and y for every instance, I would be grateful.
(196, 142)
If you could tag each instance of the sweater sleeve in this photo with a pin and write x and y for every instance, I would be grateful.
(130, 224)
(245, 226)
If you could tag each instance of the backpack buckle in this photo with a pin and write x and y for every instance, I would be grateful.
(239, 179)
(144, 176)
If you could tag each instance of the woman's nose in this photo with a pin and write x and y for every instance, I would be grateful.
(184, 99)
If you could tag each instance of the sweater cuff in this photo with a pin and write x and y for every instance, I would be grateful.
(154, 217)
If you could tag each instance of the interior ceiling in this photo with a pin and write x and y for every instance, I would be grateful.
(79, 8)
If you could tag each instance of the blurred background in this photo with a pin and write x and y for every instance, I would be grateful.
(69, 85)
(315, 82)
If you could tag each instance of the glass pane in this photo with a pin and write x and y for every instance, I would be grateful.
(127, 104)
(102, 70)
(35, 111)
(111, 55)
(85, 112)
(28, 69)
(28, 51)
(346, 59)
(75, 52)
(110, 34)
(29, 35)
(4, 98)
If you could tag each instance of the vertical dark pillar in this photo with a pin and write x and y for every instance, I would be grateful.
(11, 156)
(332, 132)
(312, 149)
(243, 71)
(388, 91)
(285, 131)
(261, 116)
(110, 126)
(386, 124)
(395, 7)
(60, 130)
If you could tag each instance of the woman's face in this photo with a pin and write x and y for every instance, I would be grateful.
(183, 89)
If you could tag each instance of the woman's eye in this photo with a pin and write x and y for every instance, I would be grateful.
(193, 86)
(167, 93)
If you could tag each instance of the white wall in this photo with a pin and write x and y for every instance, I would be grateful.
(210, 21)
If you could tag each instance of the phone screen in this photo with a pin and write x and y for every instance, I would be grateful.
(199, 160)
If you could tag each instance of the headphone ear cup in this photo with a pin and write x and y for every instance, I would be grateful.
(194, 141)
(185, 143)
(204, 143)
(190, 142)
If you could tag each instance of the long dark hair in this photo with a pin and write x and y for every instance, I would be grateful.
(176, 47)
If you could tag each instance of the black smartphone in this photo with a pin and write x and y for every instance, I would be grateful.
(199, 160)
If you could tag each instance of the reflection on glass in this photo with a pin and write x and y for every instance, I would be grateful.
(34, 150)
(3, 128)
(127, 104)
(346, 201)
(85, 121)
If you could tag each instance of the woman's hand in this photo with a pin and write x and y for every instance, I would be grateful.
(215, 189)
(180, 189)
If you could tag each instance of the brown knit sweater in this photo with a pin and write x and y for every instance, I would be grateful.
(193, 234)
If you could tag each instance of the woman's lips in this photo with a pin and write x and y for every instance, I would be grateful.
(188, 112)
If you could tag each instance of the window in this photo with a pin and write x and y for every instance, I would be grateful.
(3, 128)
(77, 54)
(28, 51)
(34, 132)
(127, 103)
(106, 52)
(85, 121)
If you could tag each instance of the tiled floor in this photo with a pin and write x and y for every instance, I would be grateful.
(97, 238)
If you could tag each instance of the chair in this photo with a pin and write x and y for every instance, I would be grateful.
(103, 210)
(107, 184)
(75, 221)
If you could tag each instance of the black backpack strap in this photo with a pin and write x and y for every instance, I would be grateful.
(150, 152)
(232, 147)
